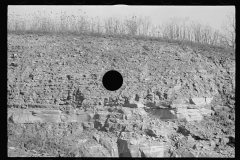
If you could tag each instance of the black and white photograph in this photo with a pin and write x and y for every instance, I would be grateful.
(121, 81)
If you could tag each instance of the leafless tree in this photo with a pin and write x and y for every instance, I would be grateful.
(229, 31)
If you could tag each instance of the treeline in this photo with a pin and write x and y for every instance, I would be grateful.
(180, 29)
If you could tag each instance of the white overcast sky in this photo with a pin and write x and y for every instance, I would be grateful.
(213, 15)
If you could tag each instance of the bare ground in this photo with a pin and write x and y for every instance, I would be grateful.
(58, 107)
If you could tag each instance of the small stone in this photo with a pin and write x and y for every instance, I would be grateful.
(150, 132)
(213, 144)
(133, 142)
(206, 112)
(183, 131)
(198, 101)
(91, 124)
(140, 105)
(127, 112)
(146, 48)
(101, 115)
(189, 114)
(134, 151)
(123, 148)
(179, 103)
(11, 148)
(142, 112)
(225, 140)
(79, 129)
(111, 147)
(221, 108)
(25, 117)
(188, 154)
(96, 137)
(63, 118)
(14, 64)
(196, 146)
(79, 112)
(153, 150)
(128, 149)
(86, 125)
(208, 100)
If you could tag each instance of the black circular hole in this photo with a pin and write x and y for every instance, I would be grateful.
(112, 80)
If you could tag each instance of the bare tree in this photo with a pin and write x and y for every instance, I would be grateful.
(145, 26)
(132, 25)
(229, 31)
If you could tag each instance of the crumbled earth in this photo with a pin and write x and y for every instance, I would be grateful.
(175, 101)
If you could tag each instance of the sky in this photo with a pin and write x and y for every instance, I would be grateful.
(212, 15)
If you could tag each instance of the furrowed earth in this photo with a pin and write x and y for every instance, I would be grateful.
(176, 100)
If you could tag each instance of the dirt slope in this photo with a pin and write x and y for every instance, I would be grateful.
(54, 83)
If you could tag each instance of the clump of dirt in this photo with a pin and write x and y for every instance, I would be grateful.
(175, 101)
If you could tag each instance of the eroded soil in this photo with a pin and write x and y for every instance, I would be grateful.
(176, 100)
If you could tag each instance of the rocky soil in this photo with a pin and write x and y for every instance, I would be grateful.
(176, 100)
